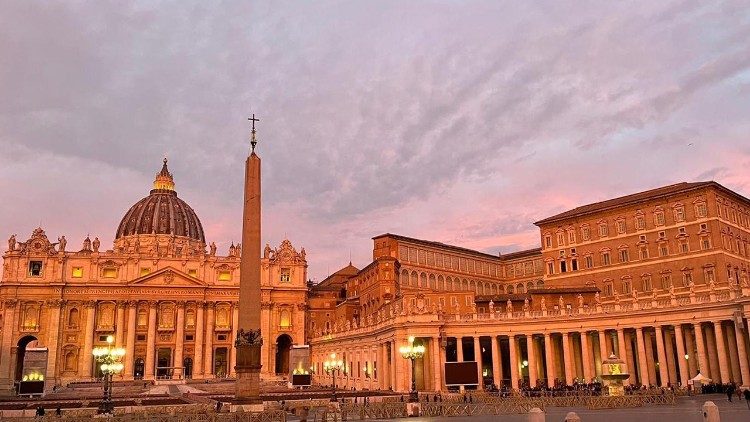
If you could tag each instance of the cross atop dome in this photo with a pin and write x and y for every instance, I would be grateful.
(253, 141)
(164, 178)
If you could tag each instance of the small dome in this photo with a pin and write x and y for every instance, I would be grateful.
(161, 212)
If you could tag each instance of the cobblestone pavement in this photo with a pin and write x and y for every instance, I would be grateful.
(687, 409)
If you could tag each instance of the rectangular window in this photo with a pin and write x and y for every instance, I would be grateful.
(620, 226)
(574, 265)
(605, 258)
(647, 284)
(193, 272)
(109, 273)
(603, 230)
(626, 287)
(624, 255)
(663, 249)
(285, 275)
(710, 275)
(687, 279)
(643, 252)
(681, 230)
(704, 227)
(701, 209)
(642, 238)
(563, 266)
(560, 239)
(35, 268)
(679, 214)
(666, 281)
(585, 233)
(640, 223)
(145, 271)
(547, 241)
(225, 275)
(684, 246)
(571, 236)
(662, 234)
(550, 268)
(705, 243)
(77, 272)
(608, 291)
(589, 261)
(659, 218)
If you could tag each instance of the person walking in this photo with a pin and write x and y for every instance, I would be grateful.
(747, 397)
(730, 392)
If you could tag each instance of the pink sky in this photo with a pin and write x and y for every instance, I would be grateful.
(459, 122)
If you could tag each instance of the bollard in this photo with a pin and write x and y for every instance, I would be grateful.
(536, 415)
(710, 412)
(572, 417)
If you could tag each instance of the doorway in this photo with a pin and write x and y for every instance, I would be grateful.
(283, 344)
(164, 363)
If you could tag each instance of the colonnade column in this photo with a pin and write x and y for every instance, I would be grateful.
(603, 353)
(681, 361)
(663, 365)
(130, 340)
(208, 357)
(700, 346)
(394, 356)
(513, 352)
(669, 347)
(650, 359)
(478, 358)
(642, 363)
(742, 354)
(621, 352)
(198, 351)
(120, 328)
(88, 342)
(495, 361)
(586, 357)
(232, 349)
(460, 354)
(9, 318)
(436, 364)
(530, 352)
(721, 351)
(150, 341)
(568, 359)
(53, 336)
(549, 358)
(179, 341)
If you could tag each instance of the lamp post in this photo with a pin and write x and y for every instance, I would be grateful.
(109, 359)
(412, 353)
(332, 367)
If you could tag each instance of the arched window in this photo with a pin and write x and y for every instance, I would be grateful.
(510, 289)
(285, 319)
(414, 279)
(73, 318)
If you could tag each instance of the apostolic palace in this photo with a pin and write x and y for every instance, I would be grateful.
(658, 278)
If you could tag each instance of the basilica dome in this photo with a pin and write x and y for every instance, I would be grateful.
(161, 212)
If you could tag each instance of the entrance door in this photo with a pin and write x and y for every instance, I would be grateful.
(164, 363)
(138, 369)
(188, 368)
(220, 362)
(283, 344)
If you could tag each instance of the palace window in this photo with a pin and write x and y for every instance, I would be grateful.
(563, 266)
(626, 287)
(701, 210)
(621, 226)
(663, 249)
(666, 281)
(550, 267)
(640, 222)
(285, 275)
(646, 284)
(705, 243)
(679, 214)
(703, 227)
(608, 290)
(547, 241)
(624, 256)
(35, 268)
(687, 279)
(643, 252)
(709, 275)
(585, 232)
(574, 265)
(589, 261)
(571, 236)
(560, 239)
(605, 258)
(603, 230)
(662, 235)
(659, 218)
(77, 272)
(684, 246)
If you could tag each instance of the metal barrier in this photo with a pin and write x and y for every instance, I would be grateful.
(267, 416)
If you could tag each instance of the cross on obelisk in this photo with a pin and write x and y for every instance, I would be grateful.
(249, 340)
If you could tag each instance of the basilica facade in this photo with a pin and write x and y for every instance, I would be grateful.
(165, 296)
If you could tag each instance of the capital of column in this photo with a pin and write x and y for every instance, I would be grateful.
(181, 304)
(10, 303)
(132, 304)
(56, 302)
(152, 303)
(717, 322)
(90, 304)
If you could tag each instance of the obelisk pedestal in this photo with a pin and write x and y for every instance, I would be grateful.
(249, 339)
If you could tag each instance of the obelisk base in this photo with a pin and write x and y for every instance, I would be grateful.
(247, 388)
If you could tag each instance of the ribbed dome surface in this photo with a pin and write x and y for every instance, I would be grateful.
(161, 212)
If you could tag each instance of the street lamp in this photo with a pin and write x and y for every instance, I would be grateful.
(109, 359)
(332, 367)
(412, 353)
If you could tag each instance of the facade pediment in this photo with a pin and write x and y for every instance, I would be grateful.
(167, 277)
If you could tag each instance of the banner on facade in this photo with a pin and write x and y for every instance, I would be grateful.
(461, 373)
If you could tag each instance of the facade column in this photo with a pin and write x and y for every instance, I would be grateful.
(682, 363)
(232, 349)
(495, 361)
(198, 350)
(650, 358)
(734, 362)
(130, 340)
(663, 365)
(700, 346)
(460, 355)
(88, 340)
(394, 380)
(9, 318)
(642, 363)
(179, 342)
(603, 353)
(622, 353)
(478, 358)
(531, 358)
(120, 328)
(437, 379)
(549, 357)
(742, 355)
(53, 344)
(721, 351)
(586, 353)
(443, 359)
(150, 341)
(208, 357)
(513, 352)
(568, 359)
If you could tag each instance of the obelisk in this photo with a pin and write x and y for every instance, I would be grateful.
(249, 340)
